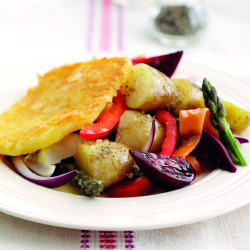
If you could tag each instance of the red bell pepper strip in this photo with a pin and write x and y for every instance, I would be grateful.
(171, 139)
(139, 187)
(106, 122)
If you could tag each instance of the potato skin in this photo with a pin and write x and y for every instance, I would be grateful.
(161, 94)
(238, 118)
(134, 129)
(109, 161)
(189, 96)
(148, 89)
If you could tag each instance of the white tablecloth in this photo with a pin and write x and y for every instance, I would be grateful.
(36, 30)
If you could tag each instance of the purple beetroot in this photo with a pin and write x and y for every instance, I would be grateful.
(167, 64)
(164, 171)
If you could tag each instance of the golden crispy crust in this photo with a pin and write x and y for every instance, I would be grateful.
(64, 99)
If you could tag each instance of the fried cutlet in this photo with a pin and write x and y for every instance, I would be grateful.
(64, 99)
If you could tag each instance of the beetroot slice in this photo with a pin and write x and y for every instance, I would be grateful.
(164, 171)
(167, 64)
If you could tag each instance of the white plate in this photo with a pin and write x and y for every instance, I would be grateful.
(214, 194)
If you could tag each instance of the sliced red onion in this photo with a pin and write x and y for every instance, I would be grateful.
(51, 182)
(241, 139)
(39, 168)
(218, 151)
(150, 140)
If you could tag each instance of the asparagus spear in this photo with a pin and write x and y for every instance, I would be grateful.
(213, 102)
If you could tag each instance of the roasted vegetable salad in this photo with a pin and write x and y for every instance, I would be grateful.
(156, 135)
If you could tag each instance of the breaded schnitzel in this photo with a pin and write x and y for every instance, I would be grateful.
(64, 99)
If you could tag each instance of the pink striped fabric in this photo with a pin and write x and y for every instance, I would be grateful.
(105, 39)
(100, 28)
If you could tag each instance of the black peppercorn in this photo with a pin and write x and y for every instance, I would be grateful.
(176, 20)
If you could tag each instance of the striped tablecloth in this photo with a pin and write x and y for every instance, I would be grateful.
(30, 30)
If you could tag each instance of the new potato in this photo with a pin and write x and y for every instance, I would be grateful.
(189, 96)
(134, 129)
(147, 89)
(108, 161)
(238, 118)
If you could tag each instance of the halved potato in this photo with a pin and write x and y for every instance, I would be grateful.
(134, 129)
(189, 96)
(238, 118)
(106, 160)
(147, 89)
